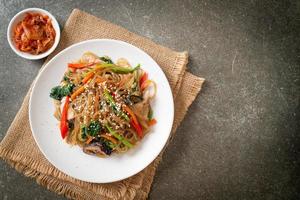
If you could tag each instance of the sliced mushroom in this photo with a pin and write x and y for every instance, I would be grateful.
(97, 147)
(135, 99)
(94, 149)
(141, 110)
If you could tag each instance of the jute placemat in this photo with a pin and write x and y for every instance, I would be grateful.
(18, 147)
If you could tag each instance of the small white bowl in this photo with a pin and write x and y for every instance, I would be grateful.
(19, 17)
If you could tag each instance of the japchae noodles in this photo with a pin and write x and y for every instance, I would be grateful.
(103, 106)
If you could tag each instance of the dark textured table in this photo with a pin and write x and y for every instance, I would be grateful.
(240, 138)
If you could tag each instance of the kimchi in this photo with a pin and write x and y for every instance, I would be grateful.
(34, 34)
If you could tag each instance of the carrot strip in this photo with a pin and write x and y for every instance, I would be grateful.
(134, 122)
(88, 77)
(131, 113)
(80, 65)
(152, 122)
(77, 92)
(113, 140)
(90, 138)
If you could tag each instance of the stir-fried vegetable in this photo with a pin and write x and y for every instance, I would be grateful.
(152, 122)
(106, 59)
(113, 67)
(134, 99)
(59, 92)
(134, 122)
(124, 70)
(80, 65)
(89, 139)
(106, 146)
(118, 136)
(150, 113)
(94, 128)
(108, 104)
(109, 138)
(88, 76)
(83, 133)
(117, 69)
(143, 78)
(146, 84)
(63, 122)
(91, 130)
(98, 146)
(91, 74)
(77, 92)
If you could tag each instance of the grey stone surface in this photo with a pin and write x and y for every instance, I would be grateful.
(240, 138)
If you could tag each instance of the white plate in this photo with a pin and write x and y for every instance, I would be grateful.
(70, 159)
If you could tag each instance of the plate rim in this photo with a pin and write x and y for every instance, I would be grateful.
(169, 129)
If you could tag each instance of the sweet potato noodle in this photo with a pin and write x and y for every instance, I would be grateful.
(103, 106)
(34, 34)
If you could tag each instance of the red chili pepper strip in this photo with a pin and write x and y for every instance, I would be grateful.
(145, 84)
(134, 122)
(63, 121)
(143, 78)
(137, 127)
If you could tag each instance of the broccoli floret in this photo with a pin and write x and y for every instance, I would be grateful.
(59, 92)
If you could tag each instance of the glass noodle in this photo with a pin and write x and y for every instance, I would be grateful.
(103, 106)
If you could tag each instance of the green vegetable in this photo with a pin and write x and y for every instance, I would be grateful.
(69, 73)
(106, 59)
(133, 86)
(85, 73)
(94, 128)
(136, 81)
(150, 113)
(59, 92)
(110, 144)
(120, 70)
(83, 132)
(119, 137)
(112, 103)
(107, 142)
(105, 146)
(124, 70)
(66, 78)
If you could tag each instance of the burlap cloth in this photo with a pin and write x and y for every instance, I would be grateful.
(18, 147)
